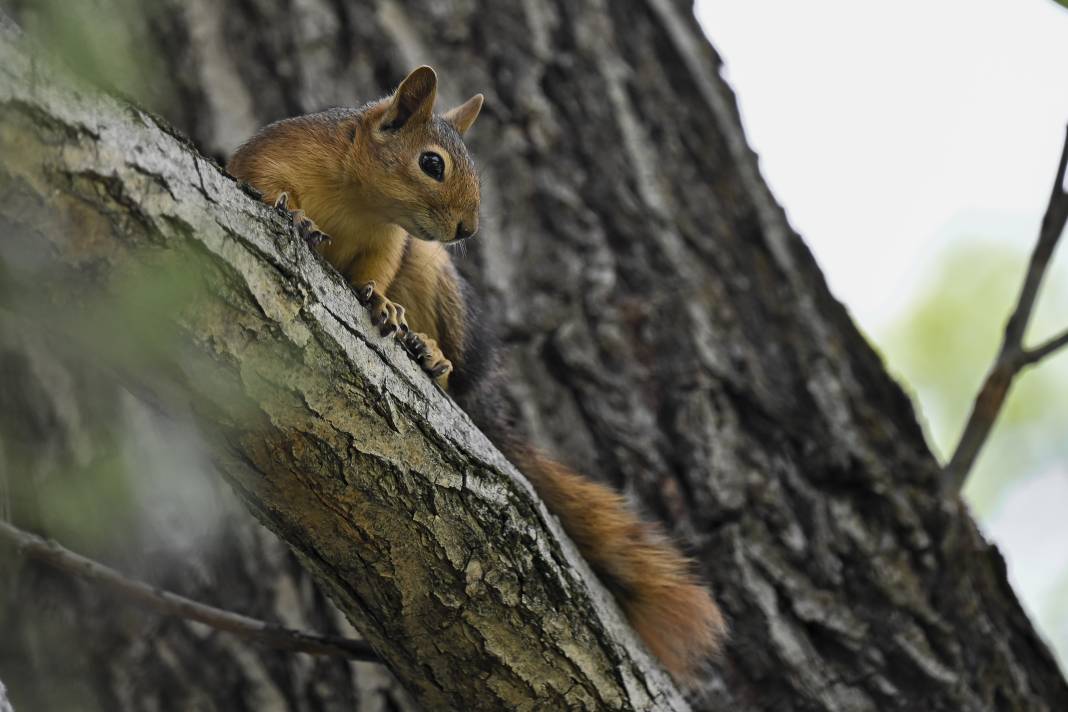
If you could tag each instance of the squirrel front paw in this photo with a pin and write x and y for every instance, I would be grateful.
(427, 354)
(385, 314)
(304, 226)
(389, 317)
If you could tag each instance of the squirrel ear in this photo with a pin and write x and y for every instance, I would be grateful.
(413, 100)
(465, 114)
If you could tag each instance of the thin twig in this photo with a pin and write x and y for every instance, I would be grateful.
(1040, 352)
(171, 604)
(1013, 357)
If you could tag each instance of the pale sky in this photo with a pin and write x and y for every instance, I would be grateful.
(887, 129)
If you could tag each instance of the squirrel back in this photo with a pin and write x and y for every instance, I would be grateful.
(391, 183)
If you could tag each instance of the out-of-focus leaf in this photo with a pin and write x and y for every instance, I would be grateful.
(98, 40)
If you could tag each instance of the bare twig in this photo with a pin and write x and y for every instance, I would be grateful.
(1013, 357)
(171, 604)
(1040, 352)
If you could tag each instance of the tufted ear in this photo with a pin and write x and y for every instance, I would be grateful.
(465, 114)
(414, 99)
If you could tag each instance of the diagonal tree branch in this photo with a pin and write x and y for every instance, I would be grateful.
(1012, 357)
(171, 604)
(142, 256)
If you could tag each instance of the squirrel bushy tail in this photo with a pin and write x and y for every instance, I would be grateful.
(652, 581)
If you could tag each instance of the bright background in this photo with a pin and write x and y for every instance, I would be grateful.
(914, 145)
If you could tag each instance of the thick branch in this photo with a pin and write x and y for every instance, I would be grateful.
(191, 292)
(1012, 356)
(171, 604)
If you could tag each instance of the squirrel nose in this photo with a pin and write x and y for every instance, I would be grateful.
(463, 231)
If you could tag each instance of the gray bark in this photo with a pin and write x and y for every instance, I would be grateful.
(88, 463)
(419, 530)
(668, 332)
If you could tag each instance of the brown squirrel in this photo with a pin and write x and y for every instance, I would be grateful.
(392, 183)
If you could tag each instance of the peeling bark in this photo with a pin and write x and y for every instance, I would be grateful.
(668, 332)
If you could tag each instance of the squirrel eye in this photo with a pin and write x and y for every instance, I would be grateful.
(433, 165)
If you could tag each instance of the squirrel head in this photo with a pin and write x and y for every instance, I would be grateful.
(411, 164)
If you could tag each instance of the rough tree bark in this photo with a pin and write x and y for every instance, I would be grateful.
(668, 331)
(415, 525)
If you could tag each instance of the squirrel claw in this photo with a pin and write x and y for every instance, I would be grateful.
(414, 345)
(427, 354)
(385, 314)
(364, 292)
(310, 232)
(389, 317)
(304, 226)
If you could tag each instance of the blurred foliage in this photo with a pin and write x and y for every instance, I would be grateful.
(98, 39)
(64, 401)
(93, 504)
(946, 341)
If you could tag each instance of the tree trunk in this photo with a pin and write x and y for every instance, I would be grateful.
(668, 333)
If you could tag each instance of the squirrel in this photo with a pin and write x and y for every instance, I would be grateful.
(380, 191)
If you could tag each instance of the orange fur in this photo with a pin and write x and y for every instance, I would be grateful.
(653, 582)
(357, 175)
(362, 186)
